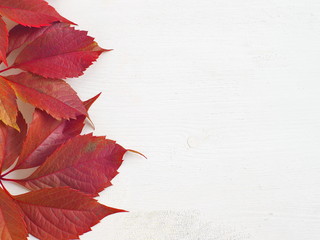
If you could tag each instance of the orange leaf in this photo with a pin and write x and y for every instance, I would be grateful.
(12, 225)
(11, 142)
(8, 104)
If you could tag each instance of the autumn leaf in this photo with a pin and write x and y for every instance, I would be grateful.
(21, 35)
(95, 159)
(12, 225)
(50, 54)
(57, 51)
(72, 169)
(60, 213)
(52, 95)
(32, 13)
(8, 104)
(11, 142)
(46, 134)
(69, 169)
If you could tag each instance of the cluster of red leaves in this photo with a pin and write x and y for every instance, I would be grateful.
(71, 168)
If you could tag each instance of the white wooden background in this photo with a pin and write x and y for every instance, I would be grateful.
(223, 98)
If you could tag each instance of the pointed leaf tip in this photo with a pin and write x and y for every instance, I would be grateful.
(61, 213)
(88, 103)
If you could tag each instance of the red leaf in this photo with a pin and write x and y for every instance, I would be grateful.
(11, 142)
(45, 135)
(59, 52)
(85, 163)
(60, 213)
(8, 104)
(12, 225)
(3, 41)
(72, 169)
(33, 13)
(20, 35)
(54, 96)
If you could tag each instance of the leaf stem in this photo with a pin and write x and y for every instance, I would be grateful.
(134, 151)
(6, 69)
(10, 180)
(1, 177)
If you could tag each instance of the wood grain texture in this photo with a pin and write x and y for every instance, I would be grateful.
(223, 98)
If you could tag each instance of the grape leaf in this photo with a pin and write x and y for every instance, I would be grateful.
(52, 95)
(73, 169)
(60, 213)
(54, 52)
(21, 35)
(33, 13)
(58, 52)
(11, 142)
(94, 159)
(46, 134)
(12, 226)
(8, 104)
